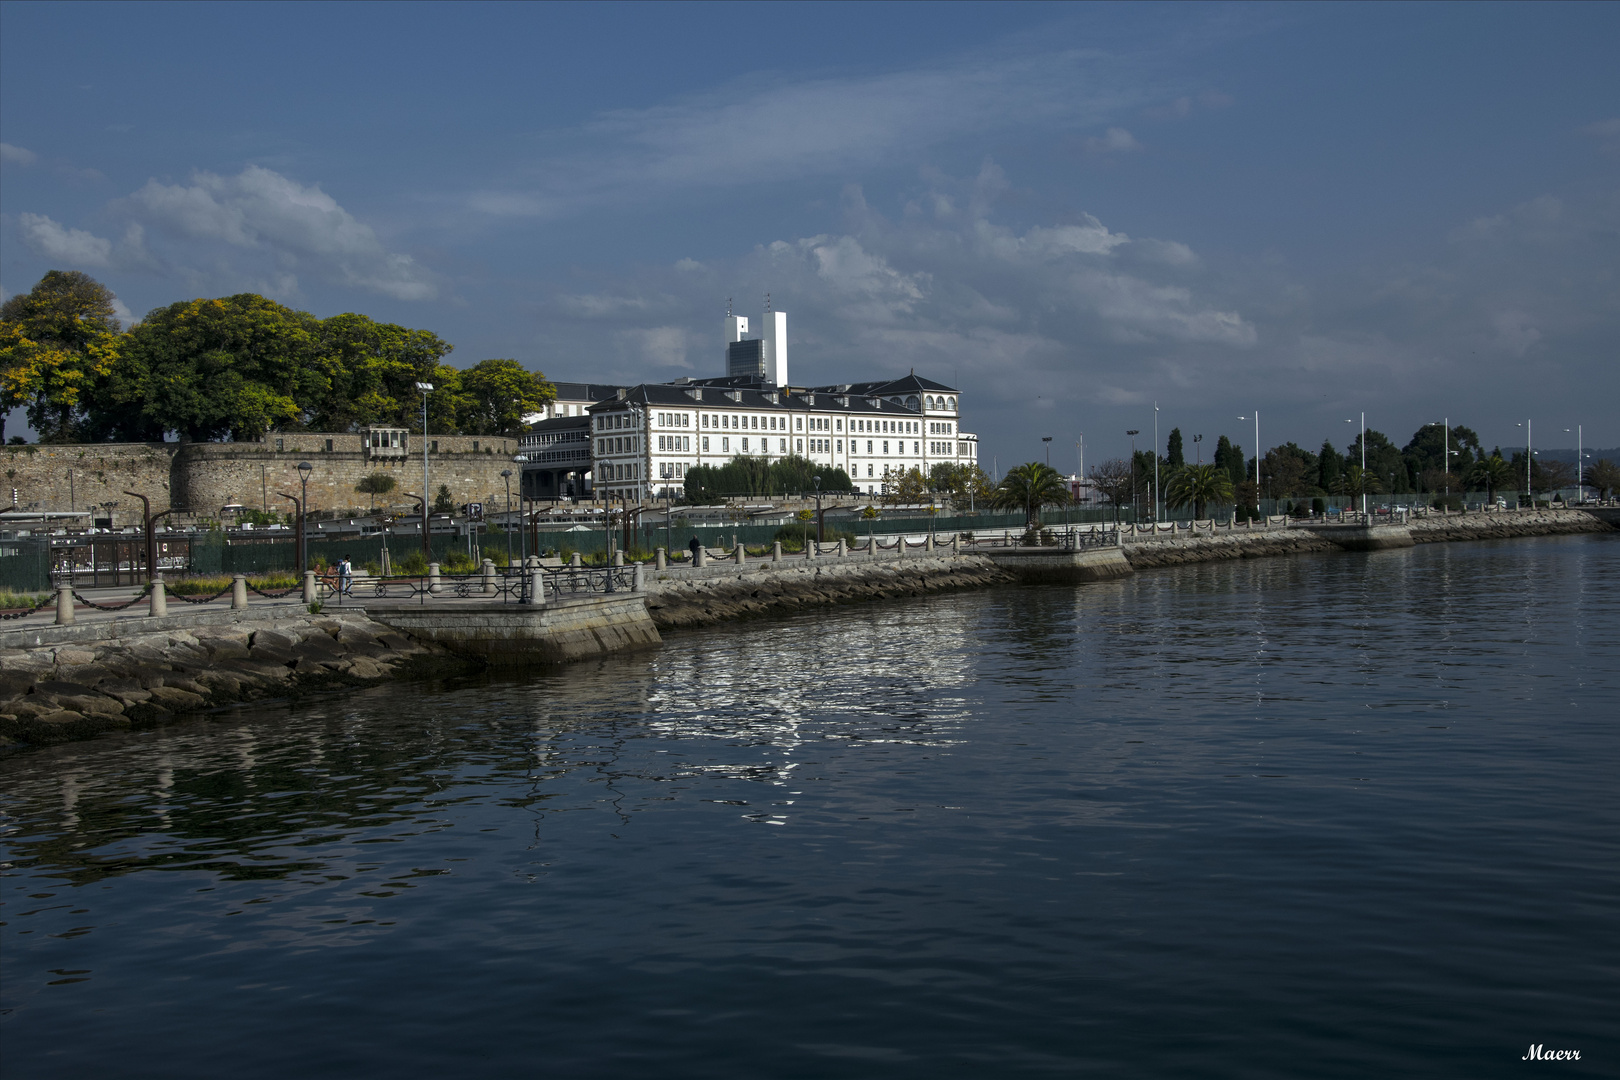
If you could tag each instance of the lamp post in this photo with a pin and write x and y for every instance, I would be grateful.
(304, 469)
(425, 388)
(820, 521)
(1363, 484)
(1133, 433)
(1257, 457)
(151, 546)
(1155, 463)
(1047, 439)
(1528, 481)
(1580, 472)
(1197, 439)
(506, 477)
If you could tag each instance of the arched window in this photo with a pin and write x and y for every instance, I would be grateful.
(911, 402)
(951, 404)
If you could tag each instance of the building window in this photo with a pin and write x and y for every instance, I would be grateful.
(782, 446)
(745, 445)
(725, 446)
(868, 446)
(869, 470)
(705, 444)
(328, 446)
(885, 446)
(435, 446)
(798, 446)
(279, 445)
(475, 446)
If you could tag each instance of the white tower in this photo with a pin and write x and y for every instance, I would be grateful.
(776, 358)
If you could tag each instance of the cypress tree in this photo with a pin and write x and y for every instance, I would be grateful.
(1330, 466)
(1172, 451)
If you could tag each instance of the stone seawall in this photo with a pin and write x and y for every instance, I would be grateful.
(720, 592)
(1263, 543)
(74, 690)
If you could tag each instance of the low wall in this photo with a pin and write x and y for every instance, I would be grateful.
(1052, 566)
(518, 635)
(720, 591)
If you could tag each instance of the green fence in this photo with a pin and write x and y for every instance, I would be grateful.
(25, 566)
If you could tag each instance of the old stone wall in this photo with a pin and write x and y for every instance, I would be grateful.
(71, 477)
(206, 476)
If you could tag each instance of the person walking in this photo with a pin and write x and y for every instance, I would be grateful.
(346, 577)
(694, 546)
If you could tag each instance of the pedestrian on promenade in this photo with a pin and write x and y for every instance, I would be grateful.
(694, 546)
(345, 577)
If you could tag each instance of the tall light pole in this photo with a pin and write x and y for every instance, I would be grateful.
(1528, 490)
(1580, 481)
(425, 388)
(1363, 484)
(506, 476)
(1047, 439)
(304, 469)
(1257, 457)
(1133, 433)
(1155, 463)
(1197, 441)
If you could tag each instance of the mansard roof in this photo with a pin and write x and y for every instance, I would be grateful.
(585, 391)
(679, 395)
(909, 384)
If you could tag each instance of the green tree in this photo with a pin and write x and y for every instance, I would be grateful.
(377, 483)
(495, 394)
(1229, 456)
(1604, 475)
(911, 487)
(1491, 473)
(1029, 487)
(1329, 466)
(1356, 482)
(213, 369)
(58, 342)
(1288, 470)
(1199, 486)
(442, 502)
(365, 372)
(1173, 453)
(1551, 475)
(1384, 461)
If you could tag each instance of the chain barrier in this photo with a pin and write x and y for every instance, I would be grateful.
(24, 614)
(275, 595)
(138, 597)
(200, 599)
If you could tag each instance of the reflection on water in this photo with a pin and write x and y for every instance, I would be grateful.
(1344, 807)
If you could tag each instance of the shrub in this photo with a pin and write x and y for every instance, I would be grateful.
(413, 565)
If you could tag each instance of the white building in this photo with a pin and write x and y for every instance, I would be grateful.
(644, 439)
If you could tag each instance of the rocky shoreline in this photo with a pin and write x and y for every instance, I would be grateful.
(75, 691)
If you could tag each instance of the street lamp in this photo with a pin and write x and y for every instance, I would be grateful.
(1363, 465)
(1133, 433)
(1155, 463)
(1257, 457)
(1047, 439)
(506, 476)
(1528, 481)
(1199, 449)
(425, 388)
(304, 469)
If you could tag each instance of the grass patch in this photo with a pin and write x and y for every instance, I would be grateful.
(210, 586)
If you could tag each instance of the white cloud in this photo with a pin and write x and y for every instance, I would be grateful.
(660, 346)
(16, 155)
(61, 244)
(1116, 140)
(261, 210)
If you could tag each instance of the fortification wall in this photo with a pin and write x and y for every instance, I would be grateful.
(206, 476)
(73, 477)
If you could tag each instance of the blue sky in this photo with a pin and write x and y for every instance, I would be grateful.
(1070, 211)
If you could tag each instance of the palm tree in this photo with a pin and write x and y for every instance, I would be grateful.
(1490, 473)
(1028, 488)
(1198, 486)
(1355, 482)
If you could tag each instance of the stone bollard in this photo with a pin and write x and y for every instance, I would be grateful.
(574, 561)
(239, 591)
(638, 582)
(309, 588)
(812, 548)
(488, 569)
(618, 558)
(700, 557)
(776, 550)
(537, 582)
(64, 604)
(900, 547)
(660, 559)
(160, 599)
(433, 579)
(928, 544)
(742, 554)
(843, 547)
(956, 544)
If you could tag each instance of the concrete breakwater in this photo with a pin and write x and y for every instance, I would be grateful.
(1147, 552)
(79, 688)
(721, 591)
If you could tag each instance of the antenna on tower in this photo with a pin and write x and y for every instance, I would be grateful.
(767, 303)
(728, 307)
